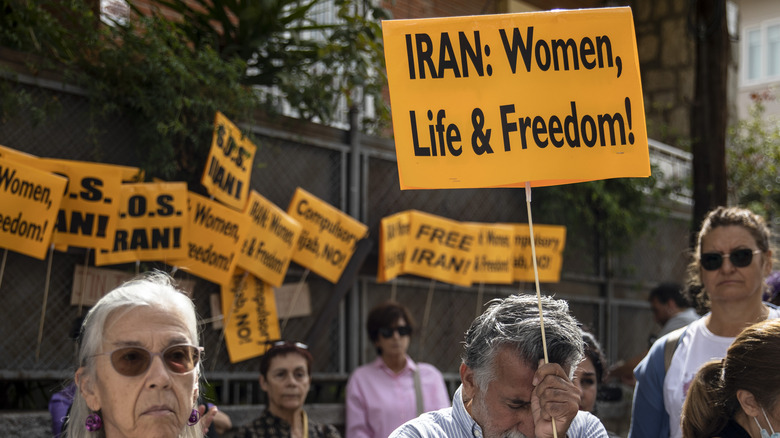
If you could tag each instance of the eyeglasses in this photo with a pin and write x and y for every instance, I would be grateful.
(134, 361)
(740, 258)
(281, 343)
(387, 332)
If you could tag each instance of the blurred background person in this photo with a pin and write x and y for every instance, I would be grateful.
(285, 376)
(589, 375)
(738, 396)
(671, 310)
(392, 389)
(139, 364)
(730, 263)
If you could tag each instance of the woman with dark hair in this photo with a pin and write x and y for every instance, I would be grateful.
(737, 397)
(727, 275)
(285, 376)
(590, 372)
(393, 389)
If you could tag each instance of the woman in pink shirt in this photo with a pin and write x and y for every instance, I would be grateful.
(392, 389)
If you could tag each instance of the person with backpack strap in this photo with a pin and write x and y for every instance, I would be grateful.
(731, 260)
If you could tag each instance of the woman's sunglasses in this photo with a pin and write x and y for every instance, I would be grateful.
(387, 332)
(134, 361)
(712, 261)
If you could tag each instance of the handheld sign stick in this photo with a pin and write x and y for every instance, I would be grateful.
(536, 280)
(2, 265)
(84, 282)
(45, 301)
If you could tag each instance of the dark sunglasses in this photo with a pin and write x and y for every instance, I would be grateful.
(294, 344)
(387, 332)
(740, 258)
(134, 361)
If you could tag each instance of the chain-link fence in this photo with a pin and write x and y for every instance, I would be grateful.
(607, 295)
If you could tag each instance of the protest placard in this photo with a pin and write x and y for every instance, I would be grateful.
(229, 164)
(550, 241)
(270, 240)
(250, 317)
(493, 261)
(393, 241)
(29, 201)
(439, 248)
(152, 224)
(500, 100)
(328, 237)
(219, 230)
(89, 211)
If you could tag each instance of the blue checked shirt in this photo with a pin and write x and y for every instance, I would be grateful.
(455, 422)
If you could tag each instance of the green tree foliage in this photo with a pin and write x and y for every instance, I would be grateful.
(314, 65)
(171, 76)
(753, 158)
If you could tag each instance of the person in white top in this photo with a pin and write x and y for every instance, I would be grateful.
(730, 262)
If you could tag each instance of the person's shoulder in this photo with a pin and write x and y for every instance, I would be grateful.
(429, 425)
(428, 368)
(323, 431)
(586, 425)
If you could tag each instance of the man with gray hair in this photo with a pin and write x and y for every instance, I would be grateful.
(507, 390)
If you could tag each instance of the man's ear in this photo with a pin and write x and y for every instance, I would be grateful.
(467, 378)
(87, 388)
(748, 403)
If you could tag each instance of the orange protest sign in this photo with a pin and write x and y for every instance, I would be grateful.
(493, 261)
(250, 318)
(393, 240)
(270, 241)
(229, 164)
(441, 249)
(90, 209)
(152, 224)
(328, 238)
(216, 232)
(29, 201)
(550, 240)
(498, 100)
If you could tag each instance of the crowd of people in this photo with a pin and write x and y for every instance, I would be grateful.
(528, 368)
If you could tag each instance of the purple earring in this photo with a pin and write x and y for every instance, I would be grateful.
(194, 418)
(94, 422)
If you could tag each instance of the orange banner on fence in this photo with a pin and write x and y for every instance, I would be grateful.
(250, 317)
(29, 201)
(216, 232)
(328, 238)
(270, 240)
(229, 164)
(498, 100)
(549, 240)
(152, 224)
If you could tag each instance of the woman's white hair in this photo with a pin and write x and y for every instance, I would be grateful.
(153, 289)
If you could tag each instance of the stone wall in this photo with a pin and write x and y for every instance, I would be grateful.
(667, 61)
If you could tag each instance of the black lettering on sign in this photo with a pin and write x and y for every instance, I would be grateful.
(23, 228)
(147, 238)
(421, 51)
(82, 224)
(222, 178)
(558, 53)
(9, 183)
(428, 257)
(451, 239)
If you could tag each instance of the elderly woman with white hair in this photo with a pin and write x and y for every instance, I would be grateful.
(138, 364)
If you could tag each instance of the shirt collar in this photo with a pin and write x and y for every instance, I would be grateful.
(462, 418)
(409, 367)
